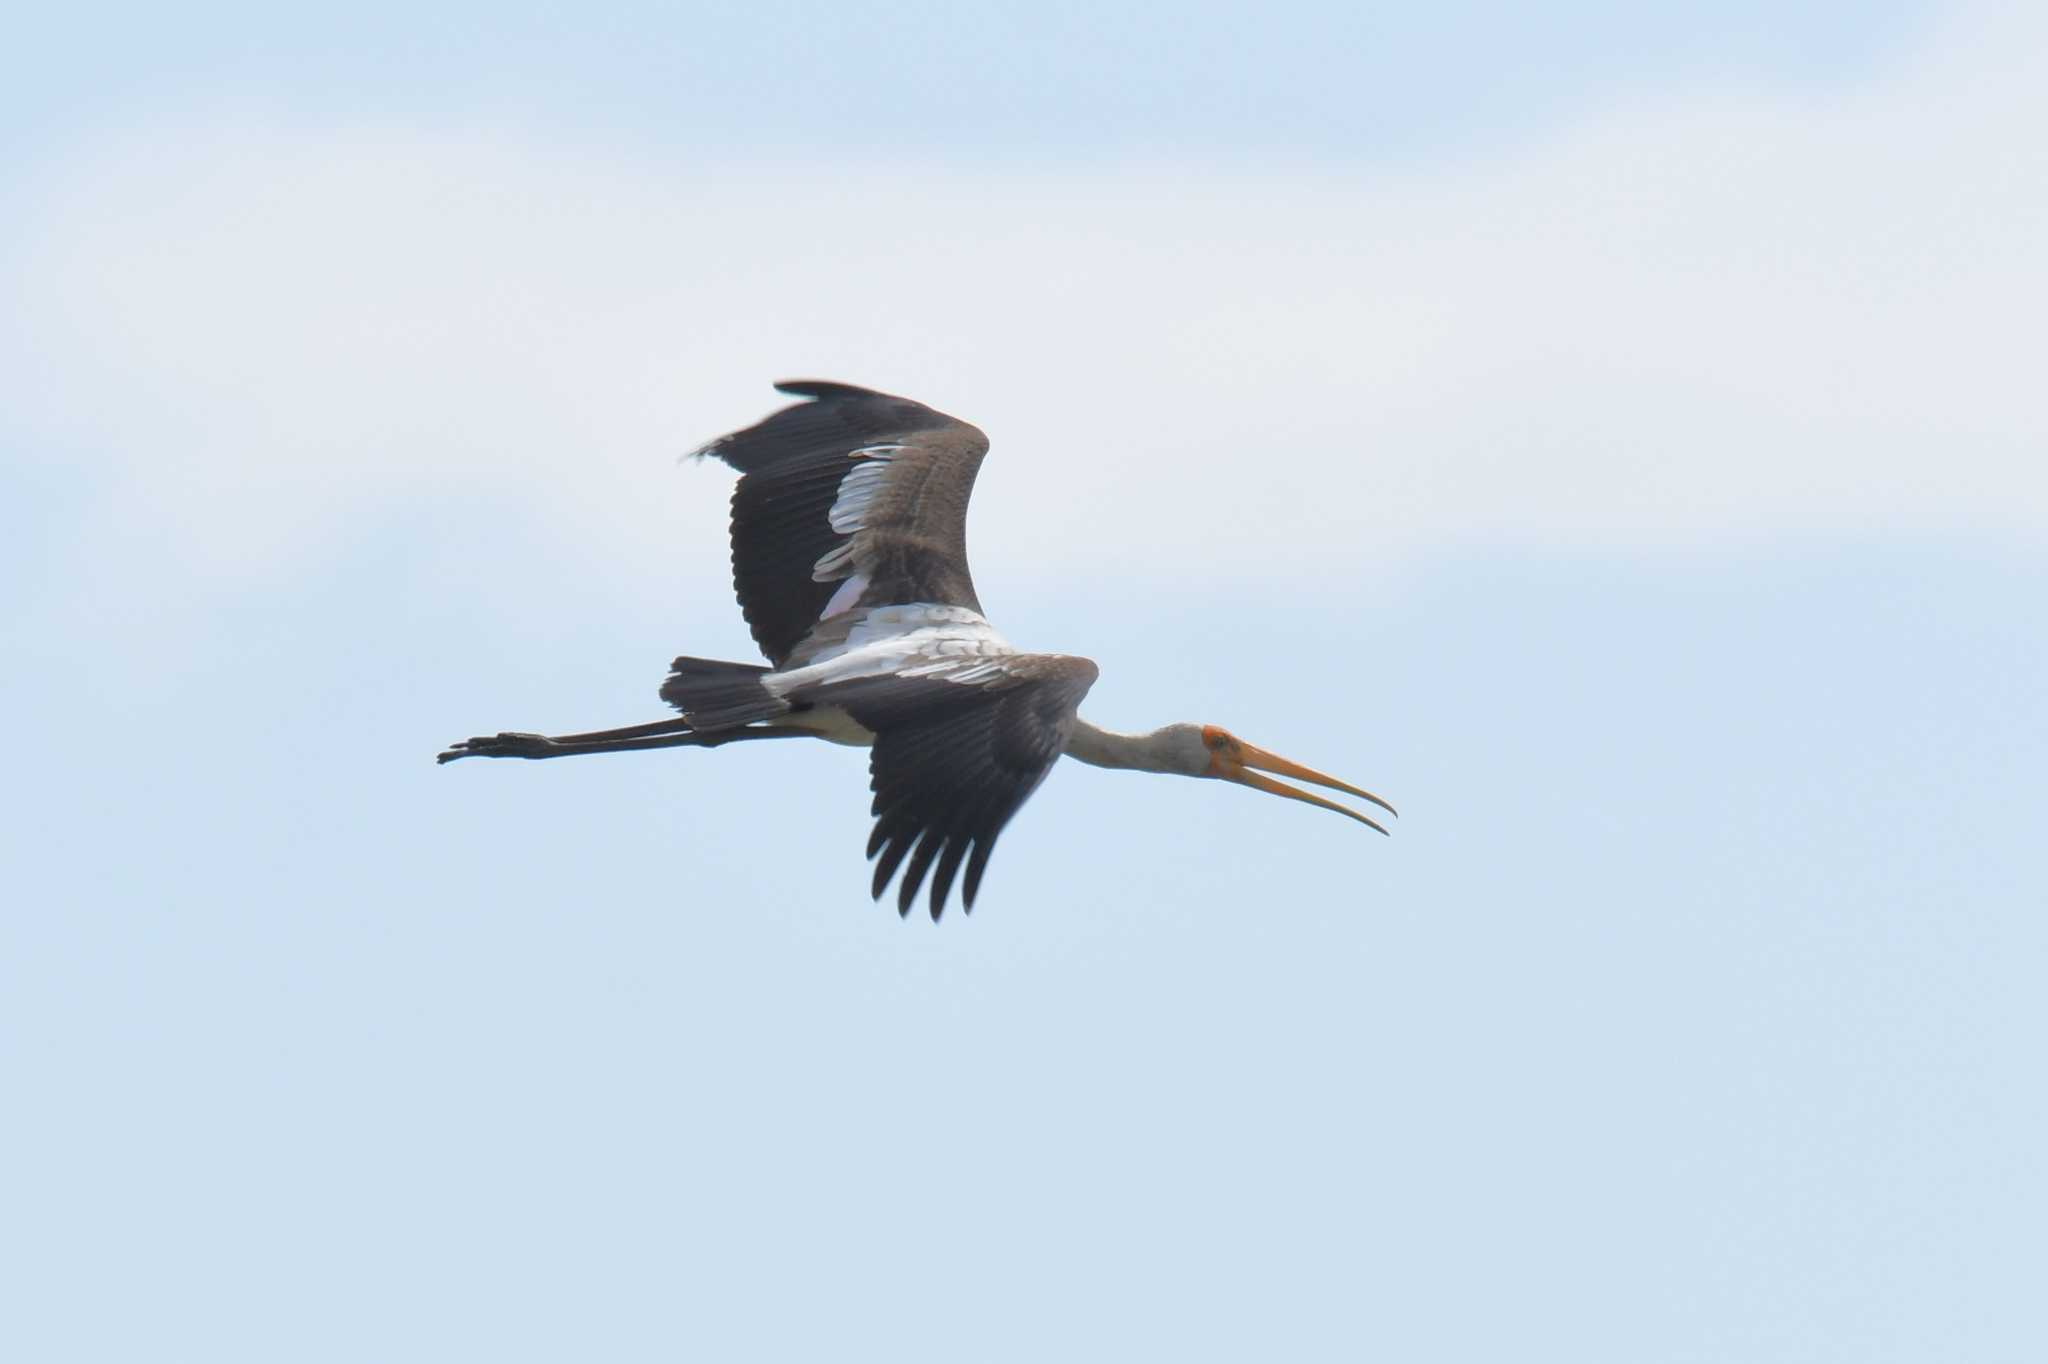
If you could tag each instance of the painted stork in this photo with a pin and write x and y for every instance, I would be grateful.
(849, 556)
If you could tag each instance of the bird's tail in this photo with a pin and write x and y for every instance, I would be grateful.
(716, 695)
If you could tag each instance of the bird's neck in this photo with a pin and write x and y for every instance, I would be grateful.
(1161, 750)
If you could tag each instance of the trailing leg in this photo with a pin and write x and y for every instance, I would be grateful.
(660, 734)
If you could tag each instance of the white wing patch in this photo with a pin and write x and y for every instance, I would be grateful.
(856, 490)
(843, 600)
(832, 564)
(849, 515)
(967, 672)
(919, 639)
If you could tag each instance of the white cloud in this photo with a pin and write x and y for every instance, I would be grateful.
(1721, 315)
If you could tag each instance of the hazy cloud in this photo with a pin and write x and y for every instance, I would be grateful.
(1719, 315)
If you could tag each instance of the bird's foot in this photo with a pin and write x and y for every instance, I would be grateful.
(506, 745)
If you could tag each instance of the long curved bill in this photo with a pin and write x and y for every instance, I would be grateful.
(1272, 762)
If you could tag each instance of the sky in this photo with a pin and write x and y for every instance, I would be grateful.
(1610, 432)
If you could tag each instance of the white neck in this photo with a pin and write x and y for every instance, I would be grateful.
(1171, 748)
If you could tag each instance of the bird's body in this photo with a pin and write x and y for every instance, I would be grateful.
(849, 549)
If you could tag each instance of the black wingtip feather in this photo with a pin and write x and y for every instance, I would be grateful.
(892, 858)
(913, 876)
(978, 813)
(824, 388)
(948, 868)
(976, 865)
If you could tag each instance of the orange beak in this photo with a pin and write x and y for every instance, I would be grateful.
(1236, 764)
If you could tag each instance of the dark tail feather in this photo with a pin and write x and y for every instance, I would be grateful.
(715, 695)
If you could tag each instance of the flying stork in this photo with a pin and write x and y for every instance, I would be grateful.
(849, 557)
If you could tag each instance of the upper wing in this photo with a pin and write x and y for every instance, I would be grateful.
(960, 745)
(853, 499)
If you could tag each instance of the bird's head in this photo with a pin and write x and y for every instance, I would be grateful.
(1223, 754)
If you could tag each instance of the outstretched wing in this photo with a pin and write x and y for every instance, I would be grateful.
(852, 500)
(960, 745)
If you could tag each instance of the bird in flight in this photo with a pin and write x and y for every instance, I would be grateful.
(849, 557)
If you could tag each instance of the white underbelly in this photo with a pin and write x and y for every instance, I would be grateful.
(828, 722)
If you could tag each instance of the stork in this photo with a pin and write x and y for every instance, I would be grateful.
(849, 557)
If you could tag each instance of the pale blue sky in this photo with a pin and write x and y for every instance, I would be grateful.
(1058, 80)
(1611, 438)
